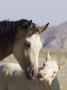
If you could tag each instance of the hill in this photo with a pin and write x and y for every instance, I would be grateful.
(55, 36)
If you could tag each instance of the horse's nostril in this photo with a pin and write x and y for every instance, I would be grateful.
(29, 74)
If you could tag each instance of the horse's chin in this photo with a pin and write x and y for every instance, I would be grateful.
(31, 78)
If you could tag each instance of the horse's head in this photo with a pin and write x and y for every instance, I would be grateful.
(49, 69)
(27, 47)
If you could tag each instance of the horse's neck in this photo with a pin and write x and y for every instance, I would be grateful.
(47, 86)
(53, 86)
(4, 52)
(7, 37)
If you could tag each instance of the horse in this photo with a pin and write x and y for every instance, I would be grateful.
(49, 69)
(12, 77)
(22, 38)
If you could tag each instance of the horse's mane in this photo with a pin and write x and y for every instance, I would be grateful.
(7, 25)
(8, 30)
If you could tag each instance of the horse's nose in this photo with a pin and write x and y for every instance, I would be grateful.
(29, 74)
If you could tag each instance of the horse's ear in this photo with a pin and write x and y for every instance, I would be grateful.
(42, 28)
(61, 66)
(48, 56)
(27, 24)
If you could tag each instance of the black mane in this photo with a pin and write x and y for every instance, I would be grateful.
(6, 26)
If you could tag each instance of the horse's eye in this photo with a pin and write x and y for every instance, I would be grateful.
(27, 45)
(44, 65)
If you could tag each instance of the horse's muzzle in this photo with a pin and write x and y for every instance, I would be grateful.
(29, 74)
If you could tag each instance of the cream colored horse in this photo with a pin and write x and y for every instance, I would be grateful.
(49, 69)
(12, 77)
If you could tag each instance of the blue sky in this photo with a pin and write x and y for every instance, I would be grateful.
(40, 11)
